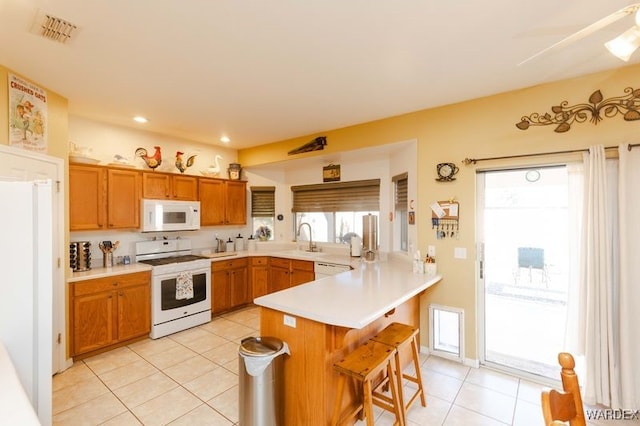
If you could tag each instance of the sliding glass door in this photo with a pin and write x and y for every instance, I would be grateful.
(524, 248)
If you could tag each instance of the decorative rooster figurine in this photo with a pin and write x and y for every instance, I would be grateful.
(181, 165)
(152, 161)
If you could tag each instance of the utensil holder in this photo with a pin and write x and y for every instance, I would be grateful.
(107, 260)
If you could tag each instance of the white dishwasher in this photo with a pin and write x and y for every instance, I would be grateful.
(324, 269)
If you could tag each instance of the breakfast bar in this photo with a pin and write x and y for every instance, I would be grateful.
(323, 320)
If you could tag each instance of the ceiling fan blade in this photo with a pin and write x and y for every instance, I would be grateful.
(607, 20)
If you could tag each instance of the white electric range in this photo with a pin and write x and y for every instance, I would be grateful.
(172, 261)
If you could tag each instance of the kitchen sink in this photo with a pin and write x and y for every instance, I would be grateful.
(302, 253)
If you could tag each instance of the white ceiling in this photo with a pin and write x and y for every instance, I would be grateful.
(262, 71)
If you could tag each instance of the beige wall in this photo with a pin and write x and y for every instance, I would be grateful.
(479, 128)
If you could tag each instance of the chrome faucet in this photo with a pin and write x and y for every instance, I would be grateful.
(312, 246)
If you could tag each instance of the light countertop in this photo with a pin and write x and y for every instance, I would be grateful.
(108, 272)
(101, 272)
(355, 298)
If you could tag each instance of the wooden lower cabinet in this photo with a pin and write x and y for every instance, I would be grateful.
(259, 276)
(108, 311)
(285, 273)
(229, 284)
(279, 274)
(301, 272)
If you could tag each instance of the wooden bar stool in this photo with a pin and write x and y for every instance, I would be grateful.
(398, 336)
(365, 364)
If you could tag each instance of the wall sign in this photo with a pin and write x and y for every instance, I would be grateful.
(27, 115)
(331, 173)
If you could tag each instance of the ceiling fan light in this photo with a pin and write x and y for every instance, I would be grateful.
(625, 44)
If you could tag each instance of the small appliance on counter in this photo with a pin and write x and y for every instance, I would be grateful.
(107, 248)
(80, 256)
(220, 245)
(370, 237)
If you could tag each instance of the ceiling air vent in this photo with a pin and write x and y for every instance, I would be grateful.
(53, 28)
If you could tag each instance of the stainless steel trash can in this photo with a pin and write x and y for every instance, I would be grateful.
(261, 382)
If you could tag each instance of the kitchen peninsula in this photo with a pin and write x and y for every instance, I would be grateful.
(325, 319)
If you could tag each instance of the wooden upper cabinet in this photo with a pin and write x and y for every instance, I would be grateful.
(236, 207)
(156, 185)
(168, 186)
(185, 188)
(222, 202)
(87, 197)
(123, 198)
(212, 203)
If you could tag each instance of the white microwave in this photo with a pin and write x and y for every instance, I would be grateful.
(169, 215)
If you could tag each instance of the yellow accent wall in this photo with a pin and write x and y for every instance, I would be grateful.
(477, 128)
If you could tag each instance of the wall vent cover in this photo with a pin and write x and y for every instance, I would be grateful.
(53, 28)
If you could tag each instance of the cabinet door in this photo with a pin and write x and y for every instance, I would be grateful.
(278, 279)
(236, 206)
(184, 188)
(301, 272)
(87, 189)
(93, 322)
(258, 277)
(240, 294)
(156, 185)
(220, 291)
(123, 198)
(134, 311)
(299, 276)
(212, 202)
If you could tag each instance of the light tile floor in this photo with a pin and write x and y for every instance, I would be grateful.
(191, 378)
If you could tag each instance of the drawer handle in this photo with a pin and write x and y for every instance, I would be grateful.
(115, 283)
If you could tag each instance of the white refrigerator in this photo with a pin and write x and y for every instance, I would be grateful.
(26, 277)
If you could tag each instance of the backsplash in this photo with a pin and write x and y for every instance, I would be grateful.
(205, 238)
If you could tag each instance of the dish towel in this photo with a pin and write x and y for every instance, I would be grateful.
(184, 286)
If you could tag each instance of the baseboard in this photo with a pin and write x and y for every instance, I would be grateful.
(469, 362)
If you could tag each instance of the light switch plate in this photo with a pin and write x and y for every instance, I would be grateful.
(431, 251)
(290, 321)
(460, 253)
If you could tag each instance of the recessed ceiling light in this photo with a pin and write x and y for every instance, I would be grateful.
(139, 119)
(225, 139)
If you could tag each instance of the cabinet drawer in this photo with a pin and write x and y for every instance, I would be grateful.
(279, 262)
(259, 261)
(228, 264)
(109, 283)
(301, 265)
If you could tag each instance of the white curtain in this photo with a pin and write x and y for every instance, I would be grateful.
(603, 296)
(629, 285)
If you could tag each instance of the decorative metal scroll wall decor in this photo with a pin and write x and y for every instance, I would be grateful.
(564, 116)
(315, 145)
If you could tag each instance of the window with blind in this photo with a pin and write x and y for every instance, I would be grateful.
(263, 210)
(335, 210)
(401, 226)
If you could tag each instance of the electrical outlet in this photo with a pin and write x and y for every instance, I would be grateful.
(431, 251)
(290, 321)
